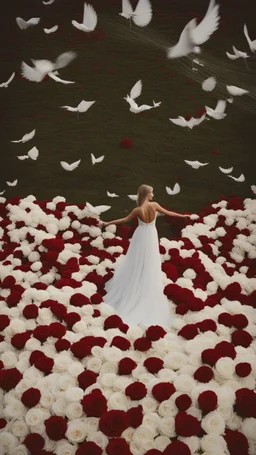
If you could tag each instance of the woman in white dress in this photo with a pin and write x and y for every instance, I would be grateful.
(136, 289)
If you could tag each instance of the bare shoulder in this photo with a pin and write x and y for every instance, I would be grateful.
(155, 205)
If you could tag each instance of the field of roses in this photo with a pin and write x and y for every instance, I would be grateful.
(75, 379)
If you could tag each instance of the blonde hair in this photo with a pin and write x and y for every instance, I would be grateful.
(142, 193)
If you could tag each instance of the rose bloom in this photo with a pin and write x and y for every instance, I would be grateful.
(113, 423)
(118, 400)
(99, 438)
(8, 442)
(63, 447)
(76, 431)
(167, 427)
(213, 422)
(19, 429)
(74, 411)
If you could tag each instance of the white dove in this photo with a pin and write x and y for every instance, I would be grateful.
(33, 154)
(5, 84)
(252, 44)
(135, 93)
(195, 164)
(241, 178)
(133, 197)
(2, 192)
(176, 189)
(46, 67)
(97, 160)
(70, 167)
(236, 91)
(51, 30)
(237, 54)
(14, 183)
(253, 188)
(227, 170)
(193, 35)
(181, 121)
(50, 2)
(112, 194)
(89, 19)
(209, 84)
(142, 14)
(83, 106)
(97, 209)
(27, 137)
(25, 24)
(217, 113)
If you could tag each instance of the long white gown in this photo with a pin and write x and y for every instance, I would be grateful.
(136, 289)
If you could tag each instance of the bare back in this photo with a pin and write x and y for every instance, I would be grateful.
(147, 212)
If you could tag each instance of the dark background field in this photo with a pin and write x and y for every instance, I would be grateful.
(108, 64)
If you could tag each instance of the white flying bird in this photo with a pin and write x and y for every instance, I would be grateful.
(51, 30)
(83, 106)
(241, 178)
(237, 54)
(89, 19)
(26, 137)
(195, 60)
(33, 154)
(181, 121)
(253, 188)
(133, 197)
(195, 164)
(14, 183)
(193, 35)
(70, 167)
(97, 209)
(227, 170)
(236, 91)
(135, 93)
(176, 189)
(5, 84)
(209, 84)
(112, 194)
(97, 160)
(25, 24)
(217, 113)
(142, 14)
(2, 192)
(252, 44)
(46, 67)
(50, 2)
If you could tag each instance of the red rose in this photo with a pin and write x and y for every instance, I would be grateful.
(30, 311)
(210, 356)
(13, 298)
(153, 452)
(243, 369)
(113, 423)
(121, 343)
(112, 322)
(117, 446)
(35, 355)
(186, 425)
(126, 143)
(19, 340)
(232, 291)
(89, 448)
(153, 364)
(4, 321)
(87, 378)
(142, 344)
(57, 330)
(62, 345)
(183, 402)
(245, 404)
(59, 310)
(136, 391)
(8, 282)
(56, 427)
(177, 447)
(203, 374)
(126, 365)
(163, 391)
(96, 298)
(41, 332)
(226, 349)
(3, 423)
(239, 321)
(237, 443)
(225, 319)
(135, 416)
(241, 338)
(44, 364)
(155, 332)
(31, 397)
(208, 401)
(94, 403)
(171, 271)
(34, 442)
(71, 319)
(79, 300)
(9, 378)
(182, 308)
(207, 324)
(189, 331)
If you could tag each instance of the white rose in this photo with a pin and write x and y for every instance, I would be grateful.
(121, 383)
(134, 332)
(225, 367)
(75, 369)
(39, 428)
(20, 450)
(65, 448)
(175, 360)
(33, 374)
(33, 344)
(22, 365)
(161, 442)
(151, 421)
(195, 412)
(59, 407)
(8, 441)
(17, 326)
(65, 381)
(226, 396)
(149, 404)
(99, 438)
(184, 383)
(94, 364)
(76, 431)
(118, 401)
(167, 427)
(47, 399)
(225, 411)
(143, 434)
(112, 354)
(74, 411)
(44, 316)
(161, 345)
(23, 385)
(19, 429)
(109, 367)
(33, 417)
(107, 379)
(49, 444)
(139, 371)
(91, 424)
(193, 442)
(213, 422)
(14, 409)
(167, 408)
(213, 443)
(9, 359)
(249, 428)
(166, 375)
(61, 363)
(74, 394)
(234, 422)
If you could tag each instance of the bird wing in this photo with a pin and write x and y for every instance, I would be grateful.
(14, 183)
(64, 59)
(208, 25)
(143, 13)
(226, 171)
(93, 158)
(49, 2)
(77, 25)
(100, 159)
(236, 91)
(241, 178)
(132, 103)
(28, 136)
(221, 106)
(231, 56)
(21, 23)
(69, 108)
(33, 21)
(191, 163)
(133, 197)
(136, 90)
(33, 153)
(253, 188)
(112, 194)
(180, 121)
(126, 8)
(32, 74)
(84, 105)
(196, 121)
(185, 45)
(176, 189)
(98, 209)
(51, 30)
(11, 78)
(69, 167)
(57, 79)
(252, 44)
(23, 157)
(90, 17)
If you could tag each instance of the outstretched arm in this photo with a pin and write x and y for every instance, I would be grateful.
(167, 212)
(120, 220)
